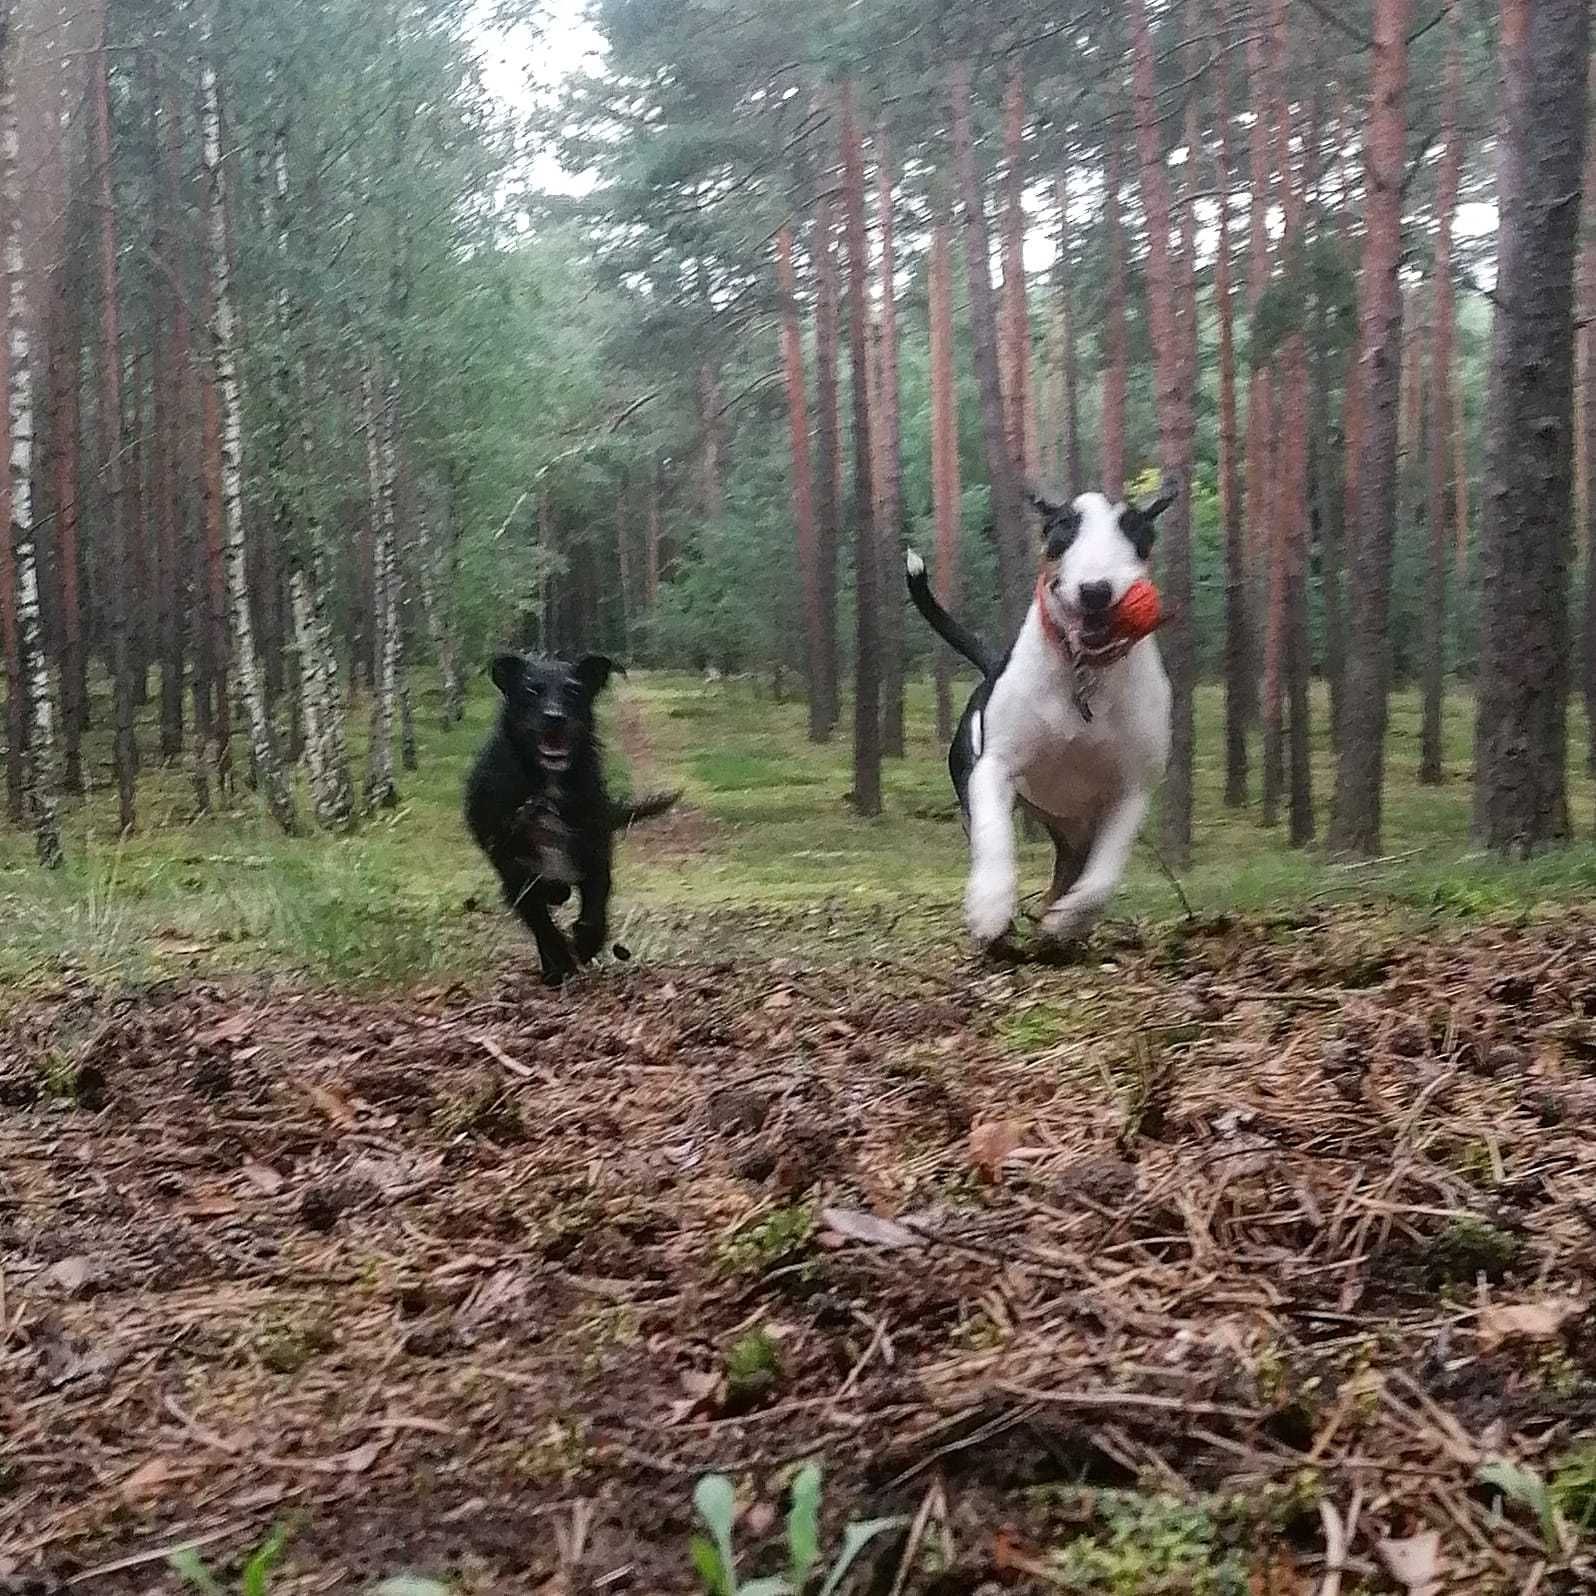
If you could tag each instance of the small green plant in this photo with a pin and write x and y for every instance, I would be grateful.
(1467, 1248)
(768, 1241)
(715, 1498)
(1527, 1488)
(1142, 1542)
(753, 1366)
(256, 1578)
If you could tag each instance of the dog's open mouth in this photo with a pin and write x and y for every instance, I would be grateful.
(554, 747)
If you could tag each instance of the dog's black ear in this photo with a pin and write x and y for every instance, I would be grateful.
(593, 671)
(507, 671)
(1046, 500)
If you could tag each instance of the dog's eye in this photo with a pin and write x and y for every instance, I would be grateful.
(1060, 534)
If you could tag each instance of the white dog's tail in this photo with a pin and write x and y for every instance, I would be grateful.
(959, 638)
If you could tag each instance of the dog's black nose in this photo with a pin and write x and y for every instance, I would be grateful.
(1095, 596)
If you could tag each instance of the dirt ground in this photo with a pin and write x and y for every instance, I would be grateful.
(1293, 1216)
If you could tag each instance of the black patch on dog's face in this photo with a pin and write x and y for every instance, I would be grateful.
(548, 704)
(1136, 522)
(1061, 521)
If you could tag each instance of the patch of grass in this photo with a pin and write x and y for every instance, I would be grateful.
(1140, 1543)
(780, 864)
(1036, 1027)
(1466, 1249)
(774, 1238)
(753, 1369)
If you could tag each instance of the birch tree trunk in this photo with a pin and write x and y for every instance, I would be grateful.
(40, 776)
(435, 570)
(65, 426)
(10, 636)
(273, 785)
(382, 790)
(1587, 423)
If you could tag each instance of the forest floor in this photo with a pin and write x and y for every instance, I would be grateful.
(1255, 1245)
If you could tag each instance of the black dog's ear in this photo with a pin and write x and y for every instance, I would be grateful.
(593, 671)
(1046, 501)
(1136, 521)
(507, 671)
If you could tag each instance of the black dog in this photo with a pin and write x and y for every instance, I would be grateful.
(536, 804)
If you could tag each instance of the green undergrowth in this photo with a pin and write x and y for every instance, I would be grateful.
(773, 863)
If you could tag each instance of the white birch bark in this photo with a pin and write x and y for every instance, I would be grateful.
(224, 334)
(320, 693)
(435, 565)
(40, 775)
(381, 788)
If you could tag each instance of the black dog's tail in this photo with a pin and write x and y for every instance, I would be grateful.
(624, 815)
(957, 637)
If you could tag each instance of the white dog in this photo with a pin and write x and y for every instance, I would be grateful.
(1070, 723)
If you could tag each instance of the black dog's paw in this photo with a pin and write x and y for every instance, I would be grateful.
(621, 951)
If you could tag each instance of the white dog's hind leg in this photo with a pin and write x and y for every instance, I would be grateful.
(991, 896)
(1074, 913)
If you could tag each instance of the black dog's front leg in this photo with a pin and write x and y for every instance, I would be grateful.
(592, 924)
(523, 893)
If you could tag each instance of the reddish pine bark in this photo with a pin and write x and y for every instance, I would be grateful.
(1360, 769)
(803, 505)
(828, 451)
(1587, 424)
(867, 547)
(1069, 419)
(889, 450)
(1168, 296)
(1430, 766)
(1115, 353)
(1008, 505)
(651, 578)
(1238, 645)
(1258, 537)
(945, 486)
(140, 586)
(114, 446)
(1019, 416)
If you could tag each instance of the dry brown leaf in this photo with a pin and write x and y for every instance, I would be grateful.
(149, 1478)
(333, 1104)
(207, 1205)
(361, 1459)
(857, 1226)
(233, 1029)
(991, 1143)
(71, 1274)
(1526, 1321)
(781, 999)
(1415, 1563)
(263, 1178)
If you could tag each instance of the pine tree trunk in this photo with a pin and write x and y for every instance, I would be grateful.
(946, 493)
(1070, 390)
(1169, 305)
(1360, 769)
(651, 572)
(1258, 531)
(1015, 320)
(1431, 769)
(435, 567)
(40, 775)
(1239, 691)
(1587, 384)
(867, 544)
(115, 449)
(269, 774)
(803, 502)
(382, 789)
(1008, 505)
(1272, 512)
(1116, 357)
(138, 503)
(1521, 727)
(828, 461)
(889, 448)
(712, 488)
(65, 375)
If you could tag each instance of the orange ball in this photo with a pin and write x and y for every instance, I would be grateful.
(1139, 612)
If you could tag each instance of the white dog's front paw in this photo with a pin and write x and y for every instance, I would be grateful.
(989, 904)
(1072, 916)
